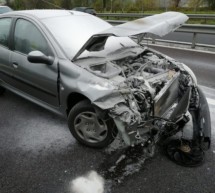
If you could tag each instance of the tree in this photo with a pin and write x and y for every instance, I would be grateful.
(66, 4)
(196, 4)
(18, 4)
(98, 5)
(117, 5)
(211, 4)
(142, 5)
(176, 3)
(104, 5)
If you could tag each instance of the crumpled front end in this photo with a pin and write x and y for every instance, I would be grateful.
(159, 99)
(153, 98)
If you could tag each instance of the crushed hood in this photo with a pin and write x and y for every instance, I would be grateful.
(159, 24)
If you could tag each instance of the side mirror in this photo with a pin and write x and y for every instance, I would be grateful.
(39, 57)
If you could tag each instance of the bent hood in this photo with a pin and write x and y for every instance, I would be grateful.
(159, 24)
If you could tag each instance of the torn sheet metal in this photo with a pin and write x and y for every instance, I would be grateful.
(159, 24)
(125, 113)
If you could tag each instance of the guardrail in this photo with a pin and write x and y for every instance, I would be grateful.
(186, 28)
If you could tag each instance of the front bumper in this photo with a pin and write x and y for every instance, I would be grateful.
(202, 121)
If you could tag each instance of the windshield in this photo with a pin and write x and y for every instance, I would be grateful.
(72, 32)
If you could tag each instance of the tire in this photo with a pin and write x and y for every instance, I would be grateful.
(88, 128)
(2, 90)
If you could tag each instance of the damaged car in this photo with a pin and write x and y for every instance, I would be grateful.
(105, 81)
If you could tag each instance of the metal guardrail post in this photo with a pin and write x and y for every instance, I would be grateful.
(194, 40)
(153, 39)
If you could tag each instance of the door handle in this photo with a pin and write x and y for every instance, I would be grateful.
(15, 65)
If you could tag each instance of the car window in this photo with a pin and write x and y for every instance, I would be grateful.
(28, 38)
(72, 31)
(90, 10)
(5, 24)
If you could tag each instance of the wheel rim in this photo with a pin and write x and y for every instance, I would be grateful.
(90, 128)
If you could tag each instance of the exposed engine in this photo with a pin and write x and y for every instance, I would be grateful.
(157, 94)
(154, 88)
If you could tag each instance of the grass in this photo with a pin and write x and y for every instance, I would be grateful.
(201, 21)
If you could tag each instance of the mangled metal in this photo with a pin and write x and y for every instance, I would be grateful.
(153, 97)
(150, 86)
(153, 91)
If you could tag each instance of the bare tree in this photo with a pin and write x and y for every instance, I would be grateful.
(196, 4)
(176, 3)
(211, 4)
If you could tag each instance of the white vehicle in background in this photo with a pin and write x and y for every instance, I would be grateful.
(5, 9)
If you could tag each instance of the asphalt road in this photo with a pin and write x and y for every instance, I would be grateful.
(188, 37)
(202, 64)
(39, 155)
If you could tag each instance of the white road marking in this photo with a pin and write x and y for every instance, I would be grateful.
(210, 94)
(211, 101)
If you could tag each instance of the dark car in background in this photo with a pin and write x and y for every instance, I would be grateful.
(85, 10)
(5, 9)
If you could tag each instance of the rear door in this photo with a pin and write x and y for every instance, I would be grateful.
(36, 80)
(6, 69)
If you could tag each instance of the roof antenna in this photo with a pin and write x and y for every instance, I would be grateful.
(52, 4)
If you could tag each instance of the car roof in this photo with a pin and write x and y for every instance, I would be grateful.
(46, 13)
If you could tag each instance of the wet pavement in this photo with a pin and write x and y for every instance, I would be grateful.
(39, 155)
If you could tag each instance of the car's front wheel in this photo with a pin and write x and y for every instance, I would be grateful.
(2, 90)
(88, 128)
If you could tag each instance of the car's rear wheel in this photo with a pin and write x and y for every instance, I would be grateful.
(2, 90)
(90, 129)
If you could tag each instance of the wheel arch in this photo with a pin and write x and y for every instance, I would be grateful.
(73, 99)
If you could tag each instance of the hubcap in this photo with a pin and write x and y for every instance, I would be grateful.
(90, 128)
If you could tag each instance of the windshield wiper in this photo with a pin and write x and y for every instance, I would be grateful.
(125, 48)
(87, 57)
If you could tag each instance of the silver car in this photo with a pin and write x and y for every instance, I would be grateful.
(103, 79)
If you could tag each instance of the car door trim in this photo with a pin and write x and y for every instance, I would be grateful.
(35, 87)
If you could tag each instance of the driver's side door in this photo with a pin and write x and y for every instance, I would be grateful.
(38, 81)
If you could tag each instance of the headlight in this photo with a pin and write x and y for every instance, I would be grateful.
(191, 73)
(103, 85)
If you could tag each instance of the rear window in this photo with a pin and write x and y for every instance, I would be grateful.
(5, 24)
